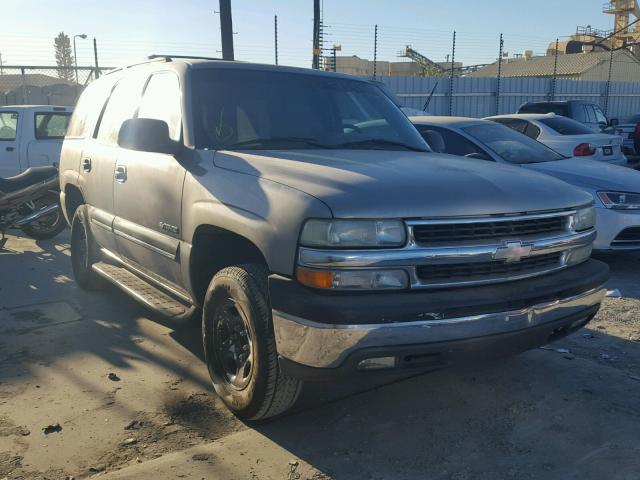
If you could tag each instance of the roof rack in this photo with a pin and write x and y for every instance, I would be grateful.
(169, 57)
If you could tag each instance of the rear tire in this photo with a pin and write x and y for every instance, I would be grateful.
(84, 252)
(240, 348)
(48, 226)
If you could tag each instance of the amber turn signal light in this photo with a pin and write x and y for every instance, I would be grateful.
(315, 278)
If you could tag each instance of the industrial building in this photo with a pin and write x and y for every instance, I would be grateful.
(573, 66)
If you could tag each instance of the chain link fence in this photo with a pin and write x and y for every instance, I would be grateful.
(38, 85)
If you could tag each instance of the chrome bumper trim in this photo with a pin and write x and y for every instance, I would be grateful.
(323, 345)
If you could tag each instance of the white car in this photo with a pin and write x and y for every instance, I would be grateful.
(615, 189)
(566, 136)
(31, 136)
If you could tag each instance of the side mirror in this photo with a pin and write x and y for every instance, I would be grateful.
(147, 135)
(614, 122)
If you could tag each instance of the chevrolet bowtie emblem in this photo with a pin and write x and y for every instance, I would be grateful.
(512, 252)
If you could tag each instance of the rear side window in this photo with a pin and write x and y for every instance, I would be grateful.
(565, 126)
(161, 101)
(591, 114)
(519, 125)
(51, 125)
(545, 108)
(8, 126)
(121, 106)
(88, 108)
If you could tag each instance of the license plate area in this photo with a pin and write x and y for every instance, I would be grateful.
(607, 150)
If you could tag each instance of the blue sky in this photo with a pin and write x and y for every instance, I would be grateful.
(128, 30)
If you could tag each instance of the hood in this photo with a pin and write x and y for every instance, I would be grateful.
(591, 174)
(391, 184)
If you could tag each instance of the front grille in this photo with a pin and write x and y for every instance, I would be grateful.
(435, 274)
(446, 233)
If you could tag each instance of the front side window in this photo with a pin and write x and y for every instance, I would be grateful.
(121, 106)
(565, 126)
(511, 145)
(8, 126)
(161, 101)
(452, 143)
(261, 110)
(51, 125)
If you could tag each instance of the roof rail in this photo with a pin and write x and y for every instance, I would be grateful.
(169, 57)
(152, 58)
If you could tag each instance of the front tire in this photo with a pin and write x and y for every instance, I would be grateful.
(83, 252)
(240, 348)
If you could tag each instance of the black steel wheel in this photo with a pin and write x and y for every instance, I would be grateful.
(239, 345)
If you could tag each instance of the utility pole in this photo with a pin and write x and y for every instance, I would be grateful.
(275, 31)
(316, 35)
(226, 30)
(95, 56)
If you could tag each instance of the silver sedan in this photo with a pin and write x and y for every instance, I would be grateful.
(615, 189)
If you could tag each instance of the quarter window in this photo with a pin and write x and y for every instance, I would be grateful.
(121, 106)
(600, 117)
(161, 101)
(51, 125)
(8, 125)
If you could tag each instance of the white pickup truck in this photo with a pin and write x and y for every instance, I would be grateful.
(31, 136)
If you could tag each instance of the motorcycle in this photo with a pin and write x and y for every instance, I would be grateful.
(30, 201)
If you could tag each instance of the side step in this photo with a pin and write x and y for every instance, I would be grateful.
(146, 293)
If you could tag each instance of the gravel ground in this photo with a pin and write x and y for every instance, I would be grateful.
(124, 393)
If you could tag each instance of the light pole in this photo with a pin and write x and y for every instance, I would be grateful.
(75, 57)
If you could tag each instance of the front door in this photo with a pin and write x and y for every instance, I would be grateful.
(9, 159)
(148, 190)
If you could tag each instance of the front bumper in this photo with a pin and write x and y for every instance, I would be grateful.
(610, 223)
(536, 310)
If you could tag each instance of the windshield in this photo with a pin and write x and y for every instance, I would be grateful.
(256, 110)
(512, 146)
(566, 126)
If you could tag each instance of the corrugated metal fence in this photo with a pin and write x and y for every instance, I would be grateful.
(478, 97)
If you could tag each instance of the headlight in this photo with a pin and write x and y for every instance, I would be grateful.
(620, 200)
(353, 279)
(584, 219)
(353, 233)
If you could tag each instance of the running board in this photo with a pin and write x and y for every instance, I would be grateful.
(146, 293)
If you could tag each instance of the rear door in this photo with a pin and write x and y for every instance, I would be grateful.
(49, 129)
(148, 191)
(98, 161)
(9, 143)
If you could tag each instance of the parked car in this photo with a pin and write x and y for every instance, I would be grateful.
(629, 130)
(581, 111)
(566, 136)
(31, 136)
(615, 189)
(298, 211)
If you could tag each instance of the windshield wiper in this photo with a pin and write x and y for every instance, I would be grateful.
(274, 141)
(378, 142)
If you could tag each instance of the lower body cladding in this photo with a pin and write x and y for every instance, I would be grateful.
(322, 336)
(617, 230)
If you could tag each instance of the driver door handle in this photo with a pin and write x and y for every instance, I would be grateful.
(10, 149)
(120, 174)
(86, 164)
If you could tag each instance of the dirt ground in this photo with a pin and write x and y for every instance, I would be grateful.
(92, 384)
